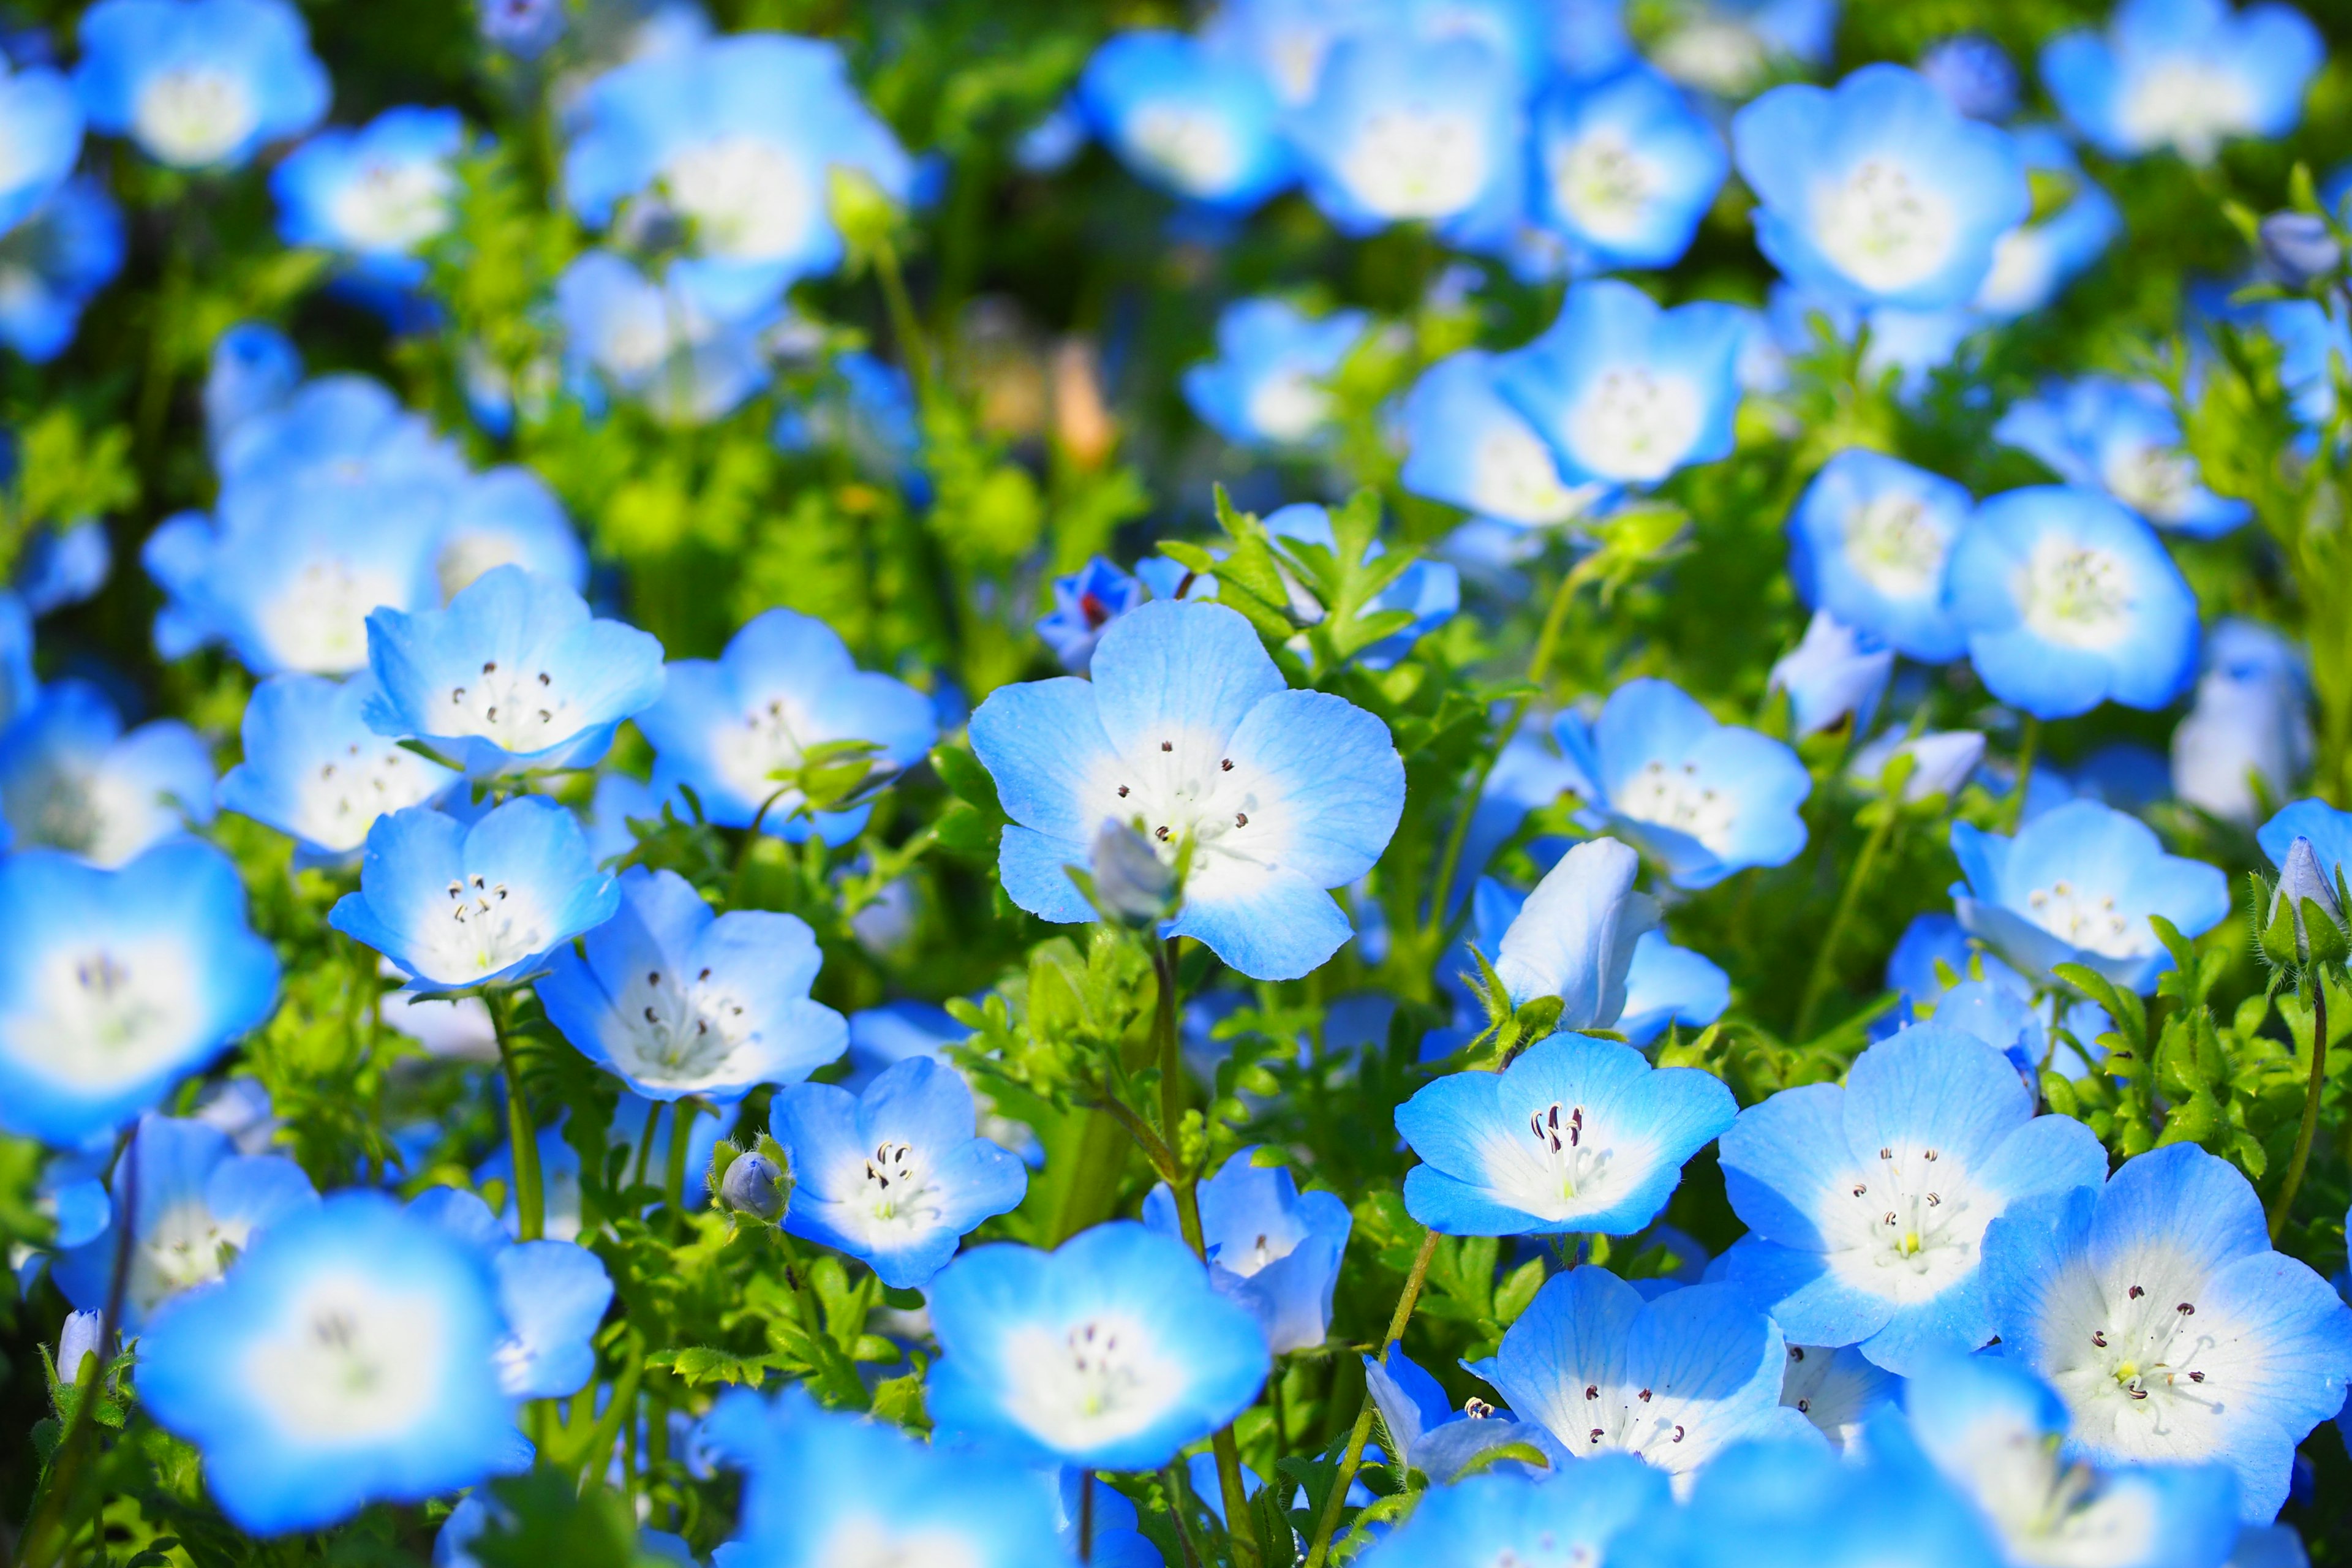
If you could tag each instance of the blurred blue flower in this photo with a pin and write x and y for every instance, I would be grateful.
(515, 675)
(1187, 728)
(736, 730)
(199, 84)
(19, 686)
(673, 1000)
(198, 1203)
(375, 196)
(1430, 1435)
(654, 342)
(741, 137)
(254, 369)
(506, 517)
(2069, 600)
(53, 264)
(1271, 1248)
(1942, 760)
(1570, 1516)
(2122, 437)
(70, 778)
(1625, 393)
(1668, 985)
(2184, 74)
(344, 432)
(1403, 129)
(1879, 192)
(459, 906)
(115, 984)
(1868, 543)
(1836, 672)
(2329, 830)
(1467, 447)
(823, 1488)
(895, 1176)
(41, 124)
(62, 566)
(1866, 1204)
(2033, 261)
(1266, 388)
(1996, 1432)
(1673, 1381)
(2156, 1308)
(2251, 722)
(552, 1294)
(1704, 799)
(867, 410)
(347, 1359)
(1111, 1352)
(523, 29)
(1191, 119)
(1839, 1390)
(1625, 168)
(1975, 75)
(1085, 603)
(1577, 1134)
(2077, 885)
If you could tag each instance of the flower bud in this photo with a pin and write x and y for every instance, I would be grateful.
(1132, 883)
(2300, 893)
(84, 1335)
(2300, 248)
(754, 1186)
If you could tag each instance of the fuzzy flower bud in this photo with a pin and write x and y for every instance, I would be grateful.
(754, 1186)
(2292, 935)
(84, 1335)
(1132, 883)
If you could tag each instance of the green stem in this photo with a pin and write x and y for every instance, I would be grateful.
(2282, 1206)
(681, 1123)
(1817, 984)
(645, 1144)
(2029, 743)
(530, 1194)
(1353, 1457)
(904, 324)
(1170, 1052)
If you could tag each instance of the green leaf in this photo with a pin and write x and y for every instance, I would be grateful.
(698, 1366)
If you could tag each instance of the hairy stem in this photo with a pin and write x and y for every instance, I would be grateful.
(1353, 1457)
(530, 1194)
(2029, 743)
(1817, 984)
(2282, 1206)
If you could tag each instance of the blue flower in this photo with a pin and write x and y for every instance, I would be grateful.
(41, 124)
(1187, 727)
(655, 342)
(2252, 722)
(1836, 672)
(199, 84)
(459, 906)
(1984, 997)
(346, 432)
(64, 565)
(2069, 600)
(506, 517)
(825, 1488)
(54, 264)
(1271, 1248)
(70, 779)
(1469, 448)
(115, 984)
(1704, 799)
(1866, 1205)
(1668, 985)
(1195, 122)
(741, 137)
(1428, 590)
(2077, 885)
(1839, 1390)
(1266, 386)
(552, 1294)
(1625, 169)
(1577, 1134)
(2121, 437)
(673, 1000)
(1403, 129)
(1625, 393)
(1573, 936)
(1869, 543)
(195, 1197)
(1085, 603)
(1570, 1517)
(867, 410)
(1994, 1431)
(1430, 1435)
(377, 195)
(1975, 75)
(514, 676)
(1111, 1352)
(316, 772)
(2184, 74)
(1879, 193)
(2157, 1310)
(896, 1175)
(19, 686)
(737, 730)
(254, 370)
(1673, 1381)
(2033, 261)
(347, 1359)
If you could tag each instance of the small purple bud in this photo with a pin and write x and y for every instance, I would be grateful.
(84, 1335)
(754, 1185)
(1975, 76)
(523, 29)
(2299, 247)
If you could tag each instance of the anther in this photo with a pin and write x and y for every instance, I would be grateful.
(1241, 820)
(1928, 1155)
(2196, 1377)
(1678, 1434)
(1596, 1436)
(1796, 1352)
(1228, 765)
(489, 667)
(704, 975)
(1804, 1406)
(649, 1015)
(1122, 792)
(2135, 1293)
(653, 976)
(1886, 1154)
(1859, 1189)
(2098, 1339)
(1592, 1391)
(1933, 1200)
(1645, 1396)
(2185, 1310)
(1167, 745)
(1160, 834)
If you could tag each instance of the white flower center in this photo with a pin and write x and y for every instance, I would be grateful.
(755, 757)
(1092, 1382)
(317, 624)
(515, 707)
(1633, 425)
(2088, 920)
(180, 1251)
(351, 1361)
(2136, 1363)
(465, 556)
(679, 1033)
(1908, 1224)
(2049, 1512)
(1183, 790)
(2187, 102)
(751, 200)
(1897, 543)
(866, 1540)
(1882, 228)
(392, 206)
(2155, 481)
(1602, 181)
(486, 927)
(1670, 796)
(1288, 406)
(1512, 477)
(1193, 150)
(99, 1014)
(1416, 163)
(336, 804)
(2076, 595)
(193, 114)
(898, 1193)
